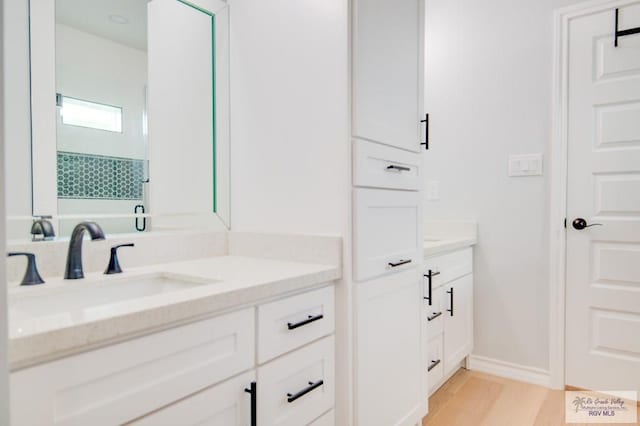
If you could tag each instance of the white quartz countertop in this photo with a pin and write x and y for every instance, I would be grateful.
(443, 245)
(229, 282)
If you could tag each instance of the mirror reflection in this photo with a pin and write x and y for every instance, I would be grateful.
(101, 104)
(128, 128)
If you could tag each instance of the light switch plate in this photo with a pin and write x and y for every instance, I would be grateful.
(525, 165)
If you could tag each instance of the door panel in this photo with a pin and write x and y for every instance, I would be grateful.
(458, 321)
(603, 276)
(387, 72)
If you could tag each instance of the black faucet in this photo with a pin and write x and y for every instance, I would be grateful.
(74, 256)
(44, 227)
(31, 276)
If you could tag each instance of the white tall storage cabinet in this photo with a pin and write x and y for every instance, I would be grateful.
(387, 174)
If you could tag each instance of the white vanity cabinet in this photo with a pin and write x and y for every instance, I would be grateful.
(448, 314)
(195, 373)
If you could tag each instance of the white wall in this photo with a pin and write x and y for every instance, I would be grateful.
(4, 375)
(290, 164)
(488, 92)
(16, 102)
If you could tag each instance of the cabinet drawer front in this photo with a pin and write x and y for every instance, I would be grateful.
(435, 362)
(328, 419)
(122, 382)
(450, 266)
(295, 377)
(435, 313)
(380, 166)
(295, 321)
(386, 232)
(226, 404)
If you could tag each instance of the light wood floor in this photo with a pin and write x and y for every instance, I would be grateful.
(470, 398)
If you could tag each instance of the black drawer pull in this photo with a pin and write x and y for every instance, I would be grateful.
(399, 263)
(450, 300)
(303, 392)
(398, 168)
(434, 316)
(253, 391)
(430, 276)
(310, 319)
(426, 131)
(433, 365)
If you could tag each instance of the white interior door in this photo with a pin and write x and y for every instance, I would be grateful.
(603, 262)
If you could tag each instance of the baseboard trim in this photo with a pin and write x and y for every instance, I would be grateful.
(508, 370)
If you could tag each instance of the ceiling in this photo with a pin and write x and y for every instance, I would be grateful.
(93, 16)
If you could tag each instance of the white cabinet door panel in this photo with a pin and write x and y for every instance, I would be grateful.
(387, 72)
(458, 321)
(386, 231)
(389, 345)
(226, 404)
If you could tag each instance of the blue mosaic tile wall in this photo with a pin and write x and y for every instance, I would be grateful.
(88, 176)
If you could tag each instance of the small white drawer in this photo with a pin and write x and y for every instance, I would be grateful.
(380, 166)
(125, 381)
(435, 313)
(329, 419)
(448, 267)
(287, 324)
(386, 232)
(435, 362)
(297, 388)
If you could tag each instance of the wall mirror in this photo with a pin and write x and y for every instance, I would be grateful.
(129, 109)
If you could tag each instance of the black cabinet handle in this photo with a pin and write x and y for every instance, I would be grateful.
(434, 316)
(429, 277)
(398, 168)
(303, 392)
(450, 300)
(433, 365)
(310, 319)
(253, 391)
(426, 131)
(399, 263)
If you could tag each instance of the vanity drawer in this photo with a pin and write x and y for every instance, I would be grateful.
(122, 382)
(448, 267)
(297, 388)
(386, 232)
(435, 362)
(380, 166)
(435, 313)
(295, 321)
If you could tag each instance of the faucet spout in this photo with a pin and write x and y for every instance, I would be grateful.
(74, 268)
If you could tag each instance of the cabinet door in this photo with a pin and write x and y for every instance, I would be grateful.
(387, 72)
(389, 360)
(226, 404)
(387, 235)
(458, 321)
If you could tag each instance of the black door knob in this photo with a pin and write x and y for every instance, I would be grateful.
(580, 224)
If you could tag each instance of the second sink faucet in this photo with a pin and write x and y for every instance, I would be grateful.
(74, 256)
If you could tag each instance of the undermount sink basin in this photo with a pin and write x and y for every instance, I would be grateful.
(90, 299)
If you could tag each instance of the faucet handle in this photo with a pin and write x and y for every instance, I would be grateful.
(31, 276)
(114, 264)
